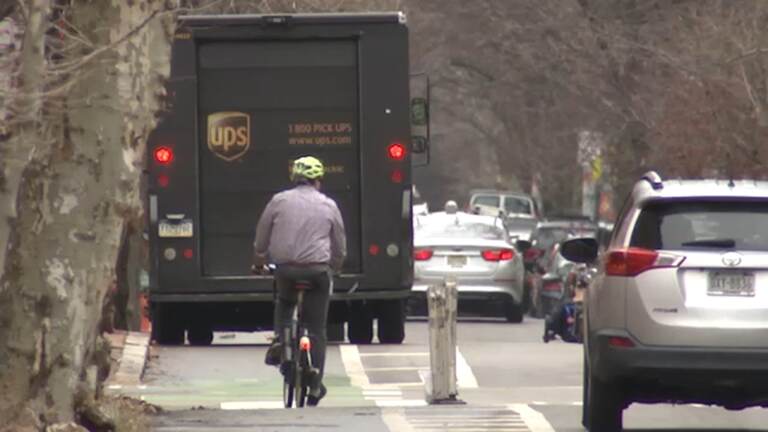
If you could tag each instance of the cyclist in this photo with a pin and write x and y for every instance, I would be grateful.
(301, 231)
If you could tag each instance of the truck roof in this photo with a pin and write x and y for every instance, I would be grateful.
(299, 18)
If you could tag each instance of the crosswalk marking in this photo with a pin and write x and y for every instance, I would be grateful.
(465, 419)
(535, 420)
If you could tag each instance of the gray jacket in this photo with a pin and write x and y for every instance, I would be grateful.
(301, 226)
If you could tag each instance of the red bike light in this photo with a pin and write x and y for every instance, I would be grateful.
(305, 344)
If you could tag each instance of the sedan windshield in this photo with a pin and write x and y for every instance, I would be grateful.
(703, 225)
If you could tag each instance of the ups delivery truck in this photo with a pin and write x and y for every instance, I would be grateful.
(247, 95)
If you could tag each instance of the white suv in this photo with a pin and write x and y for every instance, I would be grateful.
(679, 310)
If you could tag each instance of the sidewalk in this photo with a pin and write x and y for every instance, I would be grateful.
(129, 354)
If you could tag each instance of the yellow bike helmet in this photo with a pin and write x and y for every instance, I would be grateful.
(307, 167)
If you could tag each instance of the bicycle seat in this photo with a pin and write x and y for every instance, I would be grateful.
(303, 285)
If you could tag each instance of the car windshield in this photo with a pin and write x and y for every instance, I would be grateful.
(703, 225)
(465, 230)
(517, 205)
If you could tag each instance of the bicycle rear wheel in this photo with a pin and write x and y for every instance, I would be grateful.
(300, 384)
(288, 383)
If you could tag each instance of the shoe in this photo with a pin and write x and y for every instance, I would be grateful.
(312, 399)
(274, 354)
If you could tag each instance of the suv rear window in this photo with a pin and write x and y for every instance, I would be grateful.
(701, 225)
(515, 205)
(487, 200)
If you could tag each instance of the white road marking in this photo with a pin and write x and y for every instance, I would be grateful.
(350, 356)
(251, 405)
(464, 376)
(395, 354)
(381, 392)
(395, 420)
(397, 369)
(401, 403)
(535, 420)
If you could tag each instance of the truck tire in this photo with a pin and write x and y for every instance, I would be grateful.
(200, 335)
(166, 331)
(604, 406)
(513, 312)
(360, 324)
(391, 329)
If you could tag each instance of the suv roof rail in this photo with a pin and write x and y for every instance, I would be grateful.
(654, 179)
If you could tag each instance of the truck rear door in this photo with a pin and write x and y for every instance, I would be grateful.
(261, 104)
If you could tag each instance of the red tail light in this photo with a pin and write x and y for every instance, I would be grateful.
(397, 176)
(621, 342)
(373, 249)
(531, 255)
(633, 261)
(552, 286)
(498, 254)
(163, 155)
(396, 151)
(422, 254)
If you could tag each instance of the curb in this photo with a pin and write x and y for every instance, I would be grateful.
(132, 361)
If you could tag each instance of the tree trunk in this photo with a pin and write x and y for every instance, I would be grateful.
(72, 203)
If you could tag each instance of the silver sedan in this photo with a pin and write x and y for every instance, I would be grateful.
(476, 251)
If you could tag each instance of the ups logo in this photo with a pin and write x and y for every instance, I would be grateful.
(229, 134)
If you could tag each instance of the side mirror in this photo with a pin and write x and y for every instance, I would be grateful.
(523, 245)
(580, 250)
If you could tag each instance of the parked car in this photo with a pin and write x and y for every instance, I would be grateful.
(548, 285)
(678, 310)
(519, 210)
(476, 250)
(539, 259)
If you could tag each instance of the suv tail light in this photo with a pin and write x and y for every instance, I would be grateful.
(422, 254)
(498, 254)
(633, 261)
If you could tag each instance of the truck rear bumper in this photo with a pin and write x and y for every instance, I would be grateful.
(268, 297)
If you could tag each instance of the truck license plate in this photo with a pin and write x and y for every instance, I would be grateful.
(170, 229)
(737, 284)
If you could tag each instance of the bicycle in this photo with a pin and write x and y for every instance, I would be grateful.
(296, 364)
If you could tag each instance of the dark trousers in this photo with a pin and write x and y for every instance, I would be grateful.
(315, 313)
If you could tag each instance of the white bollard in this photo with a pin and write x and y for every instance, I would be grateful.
(442, 301)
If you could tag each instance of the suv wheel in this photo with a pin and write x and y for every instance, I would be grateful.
(604, 406)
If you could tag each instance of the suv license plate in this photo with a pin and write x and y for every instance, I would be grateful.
(737, 284)
(168, 229)
(457, 261)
